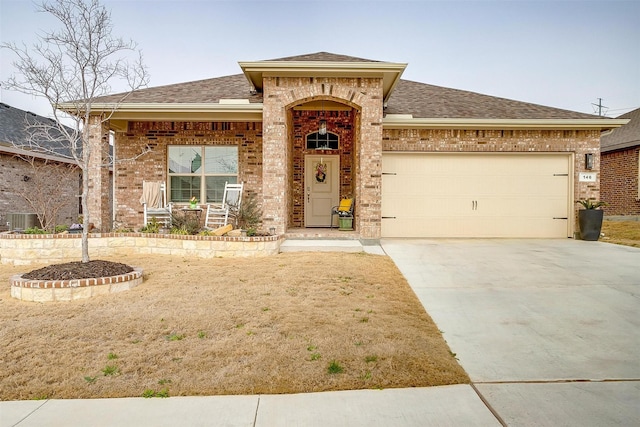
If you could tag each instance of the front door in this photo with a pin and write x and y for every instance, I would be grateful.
(322, 189)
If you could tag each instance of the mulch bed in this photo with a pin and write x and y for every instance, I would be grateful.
(79, 270)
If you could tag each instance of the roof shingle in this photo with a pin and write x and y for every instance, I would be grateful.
(14, 131)
(409, 97)
(624, 137)
(428, 101)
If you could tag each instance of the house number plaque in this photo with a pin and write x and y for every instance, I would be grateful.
(587, 177)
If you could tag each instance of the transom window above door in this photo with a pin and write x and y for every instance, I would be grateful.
(317, 141)
(201, 171)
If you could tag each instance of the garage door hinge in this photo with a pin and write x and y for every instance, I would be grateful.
(389, 173)
(560, 174)
(560, 217)
(388, 217)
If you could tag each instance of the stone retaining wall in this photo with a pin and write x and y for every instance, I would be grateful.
(68, 290)
(25, 249)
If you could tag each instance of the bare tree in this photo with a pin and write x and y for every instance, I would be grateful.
(74, 65)
(49, 177)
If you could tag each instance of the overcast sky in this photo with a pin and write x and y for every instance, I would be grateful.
(564, 54)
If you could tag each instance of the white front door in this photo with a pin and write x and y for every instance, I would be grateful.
(322, 189)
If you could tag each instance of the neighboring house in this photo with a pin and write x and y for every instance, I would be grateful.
(304, 131)
(49, 180)
(620, 165)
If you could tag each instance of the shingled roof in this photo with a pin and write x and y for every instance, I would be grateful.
(201, 92)
(418, 99)
(428, 101)
(14, 133)
(624, 137)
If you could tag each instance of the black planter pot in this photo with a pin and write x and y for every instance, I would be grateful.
(590, 221)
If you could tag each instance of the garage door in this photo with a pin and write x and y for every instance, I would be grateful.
(475, 195)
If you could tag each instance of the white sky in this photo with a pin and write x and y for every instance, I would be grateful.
(564, 54)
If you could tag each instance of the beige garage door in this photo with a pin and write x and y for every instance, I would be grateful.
(475, 195)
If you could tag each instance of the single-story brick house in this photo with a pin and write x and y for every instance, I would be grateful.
(50, 182)
(304, 131)
(620, 159)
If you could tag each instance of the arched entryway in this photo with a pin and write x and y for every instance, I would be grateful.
(323, 140)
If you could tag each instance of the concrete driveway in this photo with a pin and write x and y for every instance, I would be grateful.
(548, 330)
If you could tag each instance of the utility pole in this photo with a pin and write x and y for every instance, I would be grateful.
(599, 106)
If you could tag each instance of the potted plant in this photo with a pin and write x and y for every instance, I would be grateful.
(345, 221)
(590, 219)
(193, 202)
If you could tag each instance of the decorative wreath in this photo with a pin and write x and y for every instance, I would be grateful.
(321, 172)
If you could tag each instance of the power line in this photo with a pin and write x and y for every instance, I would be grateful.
(599, 107)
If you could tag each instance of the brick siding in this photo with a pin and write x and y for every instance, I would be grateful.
(60, 186)
(619, 182)
(281, 95)
(155, 137)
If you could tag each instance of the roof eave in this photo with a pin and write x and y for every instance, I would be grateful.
(389, 72)
(228, 111)
(621, 146)
(13, 150)
(506, 124)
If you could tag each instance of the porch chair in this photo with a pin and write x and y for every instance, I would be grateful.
(154, 202)
(219, 216)
(343, 210)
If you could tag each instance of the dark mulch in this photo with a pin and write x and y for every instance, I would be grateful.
(78, 270)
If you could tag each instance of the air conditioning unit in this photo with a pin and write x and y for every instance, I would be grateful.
(21, 221)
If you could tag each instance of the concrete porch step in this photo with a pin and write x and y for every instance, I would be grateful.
(328, 245)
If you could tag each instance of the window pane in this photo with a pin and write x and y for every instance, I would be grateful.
(328, 141)
(215, 187)
(185, 159)
(184, 187)
(221, 160)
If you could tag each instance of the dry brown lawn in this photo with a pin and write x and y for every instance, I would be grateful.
(227, 326)
(621, 232)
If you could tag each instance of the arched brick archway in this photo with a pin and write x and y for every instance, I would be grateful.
(282, 98)
(341, 119)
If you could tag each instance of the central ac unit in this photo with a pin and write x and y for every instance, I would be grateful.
(21, 221)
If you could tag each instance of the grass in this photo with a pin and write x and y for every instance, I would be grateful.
(621, 232)
(202, 324)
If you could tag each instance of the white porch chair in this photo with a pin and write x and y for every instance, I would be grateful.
(219, 216)
(154, 202)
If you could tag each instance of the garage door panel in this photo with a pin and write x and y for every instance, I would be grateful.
(475, 195)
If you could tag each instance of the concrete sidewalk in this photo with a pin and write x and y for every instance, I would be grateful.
(457, 405)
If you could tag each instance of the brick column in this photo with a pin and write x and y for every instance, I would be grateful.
(99, 197)
(275, 165)
(369, 152)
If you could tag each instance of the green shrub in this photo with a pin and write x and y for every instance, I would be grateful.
(152, 227)
(34, 230)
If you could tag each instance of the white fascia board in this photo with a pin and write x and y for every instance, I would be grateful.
(559, 124)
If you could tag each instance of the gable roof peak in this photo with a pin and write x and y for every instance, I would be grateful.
(320, 57)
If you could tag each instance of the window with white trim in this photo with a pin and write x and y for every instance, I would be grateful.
(201, 171)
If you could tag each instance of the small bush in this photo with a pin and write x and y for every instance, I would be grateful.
(60, 228)
(34, 230)
(185, 224)
(152, 227)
